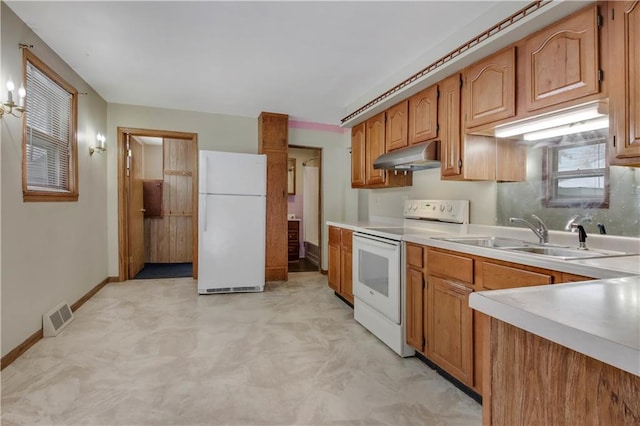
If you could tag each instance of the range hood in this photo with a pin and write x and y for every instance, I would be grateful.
(417, 157)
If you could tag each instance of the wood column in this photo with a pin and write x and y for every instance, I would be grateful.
(273, 140)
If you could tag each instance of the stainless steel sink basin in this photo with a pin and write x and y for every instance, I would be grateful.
(492, 242)
(567, 253)
(557, 252)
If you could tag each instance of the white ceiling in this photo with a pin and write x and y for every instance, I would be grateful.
(311, 60)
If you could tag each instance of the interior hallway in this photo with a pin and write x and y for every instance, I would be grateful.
(153, 352)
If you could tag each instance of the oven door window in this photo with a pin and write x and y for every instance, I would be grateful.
(373, 272)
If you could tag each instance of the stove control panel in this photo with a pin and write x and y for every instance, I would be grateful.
(455, 211)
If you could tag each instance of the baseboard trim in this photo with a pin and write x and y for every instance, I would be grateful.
(324, 271)
(33, 339)
(89, 294)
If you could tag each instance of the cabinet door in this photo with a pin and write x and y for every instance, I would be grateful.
(273, 131)
(449, 124)
(346, 279)
(423, 115)
(415, 287)
(450, 337)
(561, 61)
(358, 156)
(374, 136)
(490, 89)
(396, 126)
(625, 84)
(334, 267)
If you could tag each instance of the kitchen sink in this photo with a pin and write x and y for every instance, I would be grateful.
(492, 242)
(567, 253)
(557, 252)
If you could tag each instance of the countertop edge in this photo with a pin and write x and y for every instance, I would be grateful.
(607, 351)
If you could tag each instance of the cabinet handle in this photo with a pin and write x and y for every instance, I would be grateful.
(143, 210)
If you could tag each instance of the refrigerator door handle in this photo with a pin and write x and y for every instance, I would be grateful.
(205, 214)
(206, 174)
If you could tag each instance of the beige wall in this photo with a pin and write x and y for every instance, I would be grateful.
(427, 185)
(50, 251)
(152, 162)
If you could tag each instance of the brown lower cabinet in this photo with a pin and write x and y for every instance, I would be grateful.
(340, 261)
(440, 324)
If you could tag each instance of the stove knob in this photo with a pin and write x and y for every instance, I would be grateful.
(442, 207)
(449, 207)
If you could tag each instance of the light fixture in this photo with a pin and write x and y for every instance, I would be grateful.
(100, 146)
(576, 114)
(10, 107)
(568, 129)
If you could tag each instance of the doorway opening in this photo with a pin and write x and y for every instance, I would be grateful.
(304, 208)
(157, 204)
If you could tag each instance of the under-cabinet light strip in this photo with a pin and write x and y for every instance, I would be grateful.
(500, 26)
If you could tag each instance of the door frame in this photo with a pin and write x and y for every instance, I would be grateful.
(123, 188)
(320, 200)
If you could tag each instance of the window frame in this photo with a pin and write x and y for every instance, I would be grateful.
(72, 191)
(551, 175)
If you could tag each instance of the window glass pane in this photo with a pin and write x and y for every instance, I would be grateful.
(591, 187)
(49, 132)
(582, 157)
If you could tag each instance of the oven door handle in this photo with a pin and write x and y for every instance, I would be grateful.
(375, 240)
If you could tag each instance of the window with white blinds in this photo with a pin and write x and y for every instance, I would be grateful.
(50, 133)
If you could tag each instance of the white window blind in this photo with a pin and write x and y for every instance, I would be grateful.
(48, 134)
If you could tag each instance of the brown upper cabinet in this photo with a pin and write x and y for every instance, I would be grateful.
(624, 48)
(449, 123)
(423, 115)
(490, 89)
(396, 126)
(561, 62)
(374, 140)
(358, 156)
(367, 144)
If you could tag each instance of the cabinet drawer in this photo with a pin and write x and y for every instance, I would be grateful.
(414, 256)
(334, 235)
(450, 265)
(347, 239)
(293, 225)
(495, 277)
(293, 235)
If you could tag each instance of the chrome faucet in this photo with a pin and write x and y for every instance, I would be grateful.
(541, 231)
(575, 220)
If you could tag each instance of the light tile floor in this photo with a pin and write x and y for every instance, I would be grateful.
(153, 352)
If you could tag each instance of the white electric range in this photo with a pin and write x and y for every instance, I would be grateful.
(378, 266)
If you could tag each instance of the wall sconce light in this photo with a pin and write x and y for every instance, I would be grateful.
(10, 107)
(100, 146)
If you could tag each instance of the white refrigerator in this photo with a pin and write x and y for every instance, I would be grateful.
(231, 222)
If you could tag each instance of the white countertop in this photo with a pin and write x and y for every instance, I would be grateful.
(600, 319)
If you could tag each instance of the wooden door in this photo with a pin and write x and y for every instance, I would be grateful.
(490, 88)
(624, 84)
(396, 126)
(423, 115)
(415, 308)
(136, 210)
(358, 156)
(561, 62)
(346, 264)
(449, 123)
(374, 137)
(334, 267)
(178, 212)
(450, 337)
